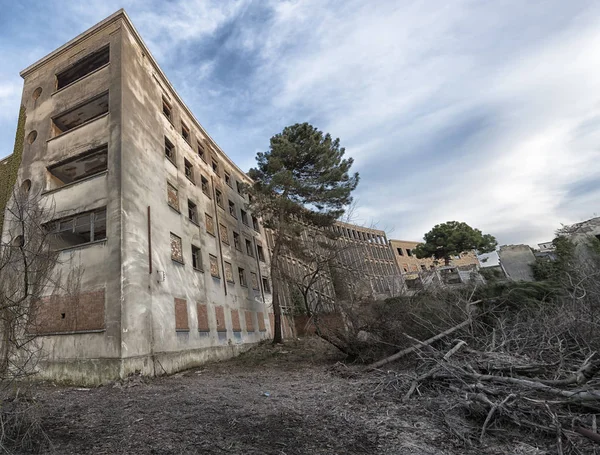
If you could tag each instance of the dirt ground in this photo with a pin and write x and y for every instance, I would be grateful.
(293, 399)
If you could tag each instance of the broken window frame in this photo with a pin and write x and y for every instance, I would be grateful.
(189, 170)
(89, 154)
(400, 251)
(170, 152)
(201, 151)
(215, 166)
(219, 198)
(244, 216)
(167, 109)
(197, 258)
(185, 133)
(205, 184)
(266, 285)
(232, 209)
(249, 249)
(60, 226)
(255, 223)
(242, 277)
(82, 61)
(227, 177)
(237, 241)
(192, 212)
(260, 252)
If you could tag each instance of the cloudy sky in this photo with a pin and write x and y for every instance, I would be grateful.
(476, 111)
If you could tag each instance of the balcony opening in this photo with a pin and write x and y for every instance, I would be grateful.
(79, 167)
(78, 229)
(85, 112)
(83, 67)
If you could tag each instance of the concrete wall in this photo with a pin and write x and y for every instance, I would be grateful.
(516, 261)
(411, 263)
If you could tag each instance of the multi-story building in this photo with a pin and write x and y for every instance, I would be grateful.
(409, 263)
(173, 268)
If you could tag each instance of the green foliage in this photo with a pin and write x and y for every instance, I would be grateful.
(451, 238)
(303, 178)
(491, 274)
(553, 270)
(8, 172)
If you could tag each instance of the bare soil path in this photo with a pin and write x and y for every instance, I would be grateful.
(293, 399)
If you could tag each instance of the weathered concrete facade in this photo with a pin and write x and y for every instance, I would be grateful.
(516, 261)
(174, 270)
(408, 262)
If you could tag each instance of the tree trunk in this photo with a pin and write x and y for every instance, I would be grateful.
(446, 261)
(277, 336)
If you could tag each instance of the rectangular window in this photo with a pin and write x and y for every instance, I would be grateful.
(236, 241)
(239, 187)
(205, 185)
(219, 197)
(185, 132)
(173, 196)
(228, 272)
(196, 258)
(77, 230)
(189, 170)
(408, 252)
(254, 280)
(210, 224)
(214, 266)
(249, 248)
(215, 167)
(167, 110)
(244, 217)
(255, 224)
(192, 212)
(176, 248)
(224, 234)
(242, 277)
(83, 67)
(181, 316)
(400, 252)
(79, 167)
(201, 152)
(170, 150)
(232, 209)
(260, 252)
(228, 179)
(266, 286)
(80, 114)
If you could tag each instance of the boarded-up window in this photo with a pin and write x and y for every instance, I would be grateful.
(224, 234)
(235, 321)
(272, 321)
(220, 316)
(214, 266)
(181, 315)
(254, 280)
(210, 224)
(261, 321)
(176, 250)
(202, 317)
(173, 196)
(228, 272)
(249, 321)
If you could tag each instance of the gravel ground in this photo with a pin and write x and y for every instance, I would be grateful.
(292, 399)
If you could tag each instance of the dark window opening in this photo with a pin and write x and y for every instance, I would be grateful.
(239, 187)
(77, 230)
(79, 167)
(249, 250)
(201, 153)
(244, 217)
(400, 252)
(219, 197)
(189, 170)
(260, 252)
(85, 112)
(192, 212)
(170, 150)
(196, 258)
(242, 276)
(266, 286)
(232, 209)
(83, 67)
(185, 133)
(236, 241)
(408, 252)
(255, 224)
(215, 167)
(228, 179)
(167, 110)
(205, 186)
(423, 267)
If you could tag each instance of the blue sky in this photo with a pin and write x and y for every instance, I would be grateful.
(483, 112)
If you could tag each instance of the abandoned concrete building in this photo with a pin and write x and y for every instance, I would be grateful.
(358, 261)
(174, 269)
(409, 263)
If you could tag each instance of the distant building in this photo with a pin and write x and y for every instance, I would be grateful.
(516, 261)
(408, 262)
